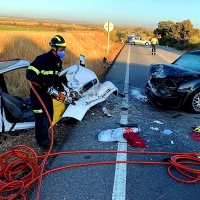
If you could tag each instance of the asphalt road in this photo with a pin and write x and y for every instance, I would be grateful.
(130, 182)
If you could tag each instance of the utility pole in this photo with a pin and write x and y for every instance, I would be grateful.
(108, 37)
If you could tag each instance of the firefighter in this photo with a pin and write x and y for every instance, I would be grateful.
(44, 71)
(154, 42)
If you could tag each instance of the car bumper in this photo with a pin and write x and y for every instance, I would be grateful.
(101, 93)
(163, 100)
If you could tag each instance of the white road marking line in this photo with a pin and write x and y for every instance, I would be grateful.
(163, 57)
(119, 187)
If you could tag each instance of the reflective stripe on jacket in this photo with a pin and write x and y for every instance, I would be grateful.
(45, 69)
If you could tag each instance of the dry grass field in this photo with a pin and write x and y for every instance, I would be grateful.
(27, 45)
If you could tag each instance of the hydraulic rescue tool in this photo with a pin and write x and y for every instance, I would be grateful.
(59, 96)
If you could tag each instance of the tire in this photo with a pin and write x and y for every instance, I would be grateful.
(193, 102)
(133, 43)
(147, 44)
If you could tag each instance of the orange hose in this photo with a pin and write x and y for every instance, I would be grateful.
(23, 159)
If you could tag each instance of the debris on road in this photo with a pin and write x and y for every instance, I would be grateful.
(136, 93)
(197, 129)
(135, 140)
(177, 115)
(154, 129)
(167, 132)
(130, 135)
(158, 122)
(111, 135)
(124, 108)
(195, 136)
(121, 95)
(196, 117)
(129, 125)
(105, 111)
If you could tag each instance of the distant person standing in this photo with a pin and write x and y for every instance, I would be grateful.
(154, 42)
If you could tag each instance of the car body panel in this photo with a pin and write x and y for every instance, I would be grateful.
(162, 100)
(170, 70)
(8, 125)
(10, 65)
(77, 77)
(98, 94)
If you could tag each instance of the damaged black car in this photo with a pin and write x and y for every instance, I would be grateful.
(177, 84)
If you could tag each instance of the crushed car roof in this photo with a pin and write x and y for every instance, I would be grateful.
(9, 65)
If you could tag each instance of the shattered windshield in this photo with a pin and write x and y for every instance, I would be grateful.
(189, 61)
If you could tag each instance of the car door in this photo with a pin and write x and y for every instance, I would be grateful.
(142, 41)
(137, 40)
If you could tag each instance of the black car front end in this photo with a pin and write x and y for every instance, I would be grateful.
(159, 93)
(170, 85)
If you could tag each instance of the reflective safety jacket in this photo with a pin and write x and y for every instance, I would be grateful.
(45, 70)
(154, 40)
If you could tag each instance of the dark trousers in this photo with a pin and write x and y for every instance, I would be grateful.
(153, 48)
(41, 120)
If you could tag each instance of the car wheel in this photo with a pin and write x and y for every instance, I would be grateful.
(133, 43)
(146, 43)
(194, 102)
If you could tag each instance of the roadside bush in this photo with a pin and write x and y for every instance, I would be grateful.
(179, 46)
(170, 42)
(164, 41)
(198, 46)
(194, 40)
(143, 35)
(115, 36)
(167, 44)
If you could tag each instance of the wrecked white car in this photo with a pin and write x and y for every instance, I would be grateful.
(80, 83)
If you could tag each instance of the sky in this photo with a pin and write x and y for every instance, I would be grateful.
(120, 12)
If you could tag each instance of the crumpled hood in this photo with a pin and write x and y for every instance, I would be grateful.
(170, 70)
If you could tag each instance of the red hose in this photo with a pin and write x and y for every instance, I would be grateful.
(23, 159)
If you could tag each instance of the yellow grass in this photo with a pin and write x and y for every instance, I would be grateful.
(27, 45)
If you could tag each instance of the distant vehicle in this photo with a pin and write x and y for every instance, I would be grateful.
(138, 40)
(129, 38)
(177, 84)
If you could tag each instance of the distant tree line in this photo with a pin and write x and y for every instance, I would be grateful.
(181, 35)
